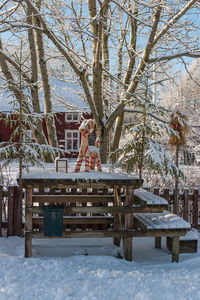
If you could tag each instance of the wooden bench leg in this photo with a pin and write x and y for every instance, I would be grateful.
(158, 242)
(28, 247)
(175, 249)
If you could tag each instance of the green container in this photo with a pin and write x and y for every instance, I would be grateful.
(53, 220)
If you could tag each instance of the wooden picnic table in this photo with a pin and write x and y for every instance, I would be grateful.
(86, 200)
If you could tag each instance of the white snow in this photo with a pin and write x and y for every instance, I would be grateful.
(50, 173)
(164, 220)
(88, 269)
(60, 269)
(149, 198)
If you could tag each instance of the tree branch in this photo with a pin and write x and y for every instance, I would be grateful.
(173, 20)
(195, 54)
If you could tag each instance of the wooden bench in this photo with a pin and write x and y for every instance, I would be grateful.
(148, 199)
(163, 224)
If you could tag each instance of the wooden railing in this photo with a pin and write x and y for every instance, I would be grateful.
(12, 208)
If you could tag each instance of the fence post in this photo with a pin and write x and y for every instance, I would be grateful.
(10, 211)
(15, 196)
(156, 190)
(195, 220)
(17, 211)
(185, 204)
(166, 196)
(1, 200)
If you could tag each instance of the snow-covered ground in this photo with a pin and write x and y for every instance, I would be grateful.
(62, 269)
(88, 269)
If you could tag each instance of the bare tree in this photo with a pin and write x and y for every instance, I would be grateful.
(108, 45)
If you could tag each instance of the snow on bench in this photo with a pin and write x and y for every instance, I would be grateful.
(164, 220)
(146, 198)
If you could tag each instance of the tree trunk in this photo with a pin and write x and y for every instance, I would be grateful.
(38, 131)
(117, 136)
(104, 148)
(49, 118)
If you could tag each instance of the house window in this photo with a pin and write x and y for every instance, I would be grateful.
(72, 140)
(72, 117)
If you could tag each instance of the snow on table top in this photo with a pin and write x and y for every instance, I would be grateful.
(150, 198)
(164, 220)
(87, 176)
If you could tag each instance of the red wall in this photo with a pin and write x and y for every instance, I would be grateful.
(61, 126)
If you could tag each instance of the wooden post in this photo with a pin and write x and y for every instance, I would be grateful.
(10, 211)
(166, 196)
(1, 200)
(127, 241)
(175, 249)
(185, 204)
(28, 224)
(17, 210)
(15, 196)
(176, 191)
(195, 220)
(156, 191)
(158, 242)
(117, 218)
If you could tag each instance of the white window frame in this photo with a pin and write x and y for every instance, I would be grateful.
(78, 137)
(72, 120)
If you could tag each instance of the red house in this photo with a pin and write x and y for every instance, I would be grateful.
(67, 127)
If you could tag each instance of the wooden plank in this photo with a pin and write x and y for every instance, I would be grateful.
(185, 205)
(101, 183)
(19, 211)
(127, 241)
(117, 217)
(28, 224)
(79, 220)
(1, 202)
(73, 198)
(10, 210)
(107, 234)
(195, 205)
(102, 209)
(175, 249)
(15, 205)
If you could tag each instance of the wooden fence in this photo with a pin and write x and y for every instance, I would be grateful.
(12, 206)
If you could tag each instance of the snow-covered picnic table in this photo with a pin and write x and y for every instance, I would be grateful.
(93, 205)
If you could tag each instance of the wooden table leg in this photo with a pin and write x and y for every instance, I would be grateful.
(127, 241)
(175, 249)
(158, 242)
(28, 224)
